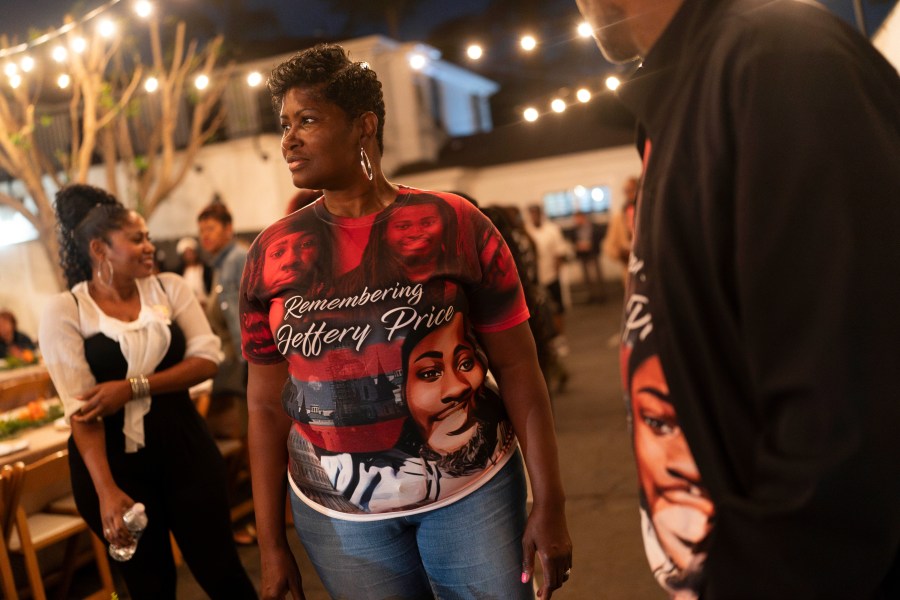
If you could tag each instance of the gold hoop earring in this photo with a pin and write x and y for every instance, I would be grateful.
(366, 164)
(109, 280)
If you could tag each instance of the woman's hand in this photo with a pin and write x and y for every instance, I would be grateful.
(547, 534)
(102, 400)
(280, 575)
(113, 504)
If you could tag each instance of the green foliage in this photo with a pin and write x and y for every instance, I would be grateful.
(10, 427)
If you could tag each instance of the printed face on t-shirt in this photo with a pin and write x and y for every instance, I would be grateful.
(679, 506)
(291, 258)
(414, 233)
(442, 376)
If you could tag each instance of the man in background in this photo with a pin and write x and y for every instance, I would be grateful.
(586, 236)
(763, 290)
(228, 403)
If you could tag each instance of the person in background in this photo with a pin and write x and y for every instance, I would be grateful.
(586, 237)
(339, 348)
(617, 242)
(544, 310)
(552, 251)
(228, 404)
(764, 277)
(122, 347)
(196, 273)
(13, 343)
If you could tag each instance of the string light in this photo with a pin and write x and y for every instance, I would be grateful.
(79, 45)
(417, 61)
(475, 51)
(254, 79)
(143, 8)
(106, 28)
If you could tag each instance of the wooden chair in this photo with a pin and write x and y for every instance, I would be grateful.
(10, 490)
(44, 482)
(235, 453)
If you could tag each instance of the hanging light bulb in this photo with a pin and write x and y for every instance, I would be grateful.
(417, 61)
(254, 79)
(585, 30)
(26, 64)
(63, 81)
(143, 8)
(613, 82)
(583, 95)
(474, 51)
(558, 105)
(151, 85)
(106, 28)
(79, 45)
(528, 43)
(59, 54)
(531, 114)
(201, 82)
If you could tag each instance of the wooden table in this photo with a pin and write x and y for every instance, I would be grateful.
(42, 441)
(20, 386)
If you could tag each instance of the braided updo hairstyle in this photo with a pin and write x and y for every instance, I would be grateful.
(352, 86)
(84, 213)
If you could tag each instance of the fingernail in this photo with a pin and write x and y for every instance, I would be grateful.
(525, 577)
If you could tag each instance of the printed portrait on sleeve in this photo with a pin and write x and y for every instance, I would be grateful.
(293, 253)
(676, 511)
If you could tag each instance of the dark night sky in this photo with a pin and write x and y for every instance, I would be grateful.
(308, 17)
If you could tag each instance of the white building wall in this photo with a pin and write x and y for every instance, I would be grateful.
(887, 38)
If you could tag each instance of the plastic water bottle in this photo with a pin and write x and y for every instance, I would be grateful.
(135, 521)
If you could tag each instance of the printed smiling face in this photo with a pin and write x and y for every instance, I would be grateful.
(678, 504)
(291, 258)
(443, 374)
(415, 232)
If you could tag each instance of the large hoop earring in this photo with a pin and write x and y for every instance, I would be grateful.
(109, 280)
(366, 164)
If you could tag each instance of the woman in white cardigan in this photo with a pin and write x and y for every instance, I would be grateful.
(123, 346)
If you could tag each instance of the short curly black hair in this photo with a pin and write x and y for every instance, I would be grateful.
(84, 213)
(352, 86)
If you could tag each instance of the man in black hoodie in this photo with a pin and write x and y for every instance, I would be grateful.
(766, 265)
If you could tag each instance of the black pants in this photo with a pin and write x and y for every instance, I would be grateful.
(180, 478)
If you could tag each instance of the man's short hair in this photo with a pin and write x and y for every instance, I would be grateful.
(217, 211)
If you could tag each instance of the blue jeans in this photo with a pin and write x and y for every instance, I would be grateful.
(469, 549)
